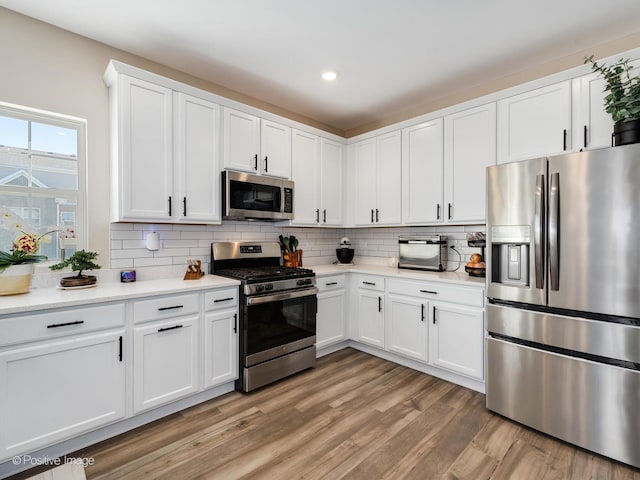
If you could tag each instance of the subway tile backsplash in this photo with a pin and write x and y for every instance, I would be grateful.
(179, 242)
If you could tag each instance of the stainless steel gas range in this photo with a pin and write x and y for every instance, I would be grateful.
(278, 308)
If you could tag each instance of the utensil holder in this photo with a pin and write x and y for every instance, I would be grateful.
(292, 259)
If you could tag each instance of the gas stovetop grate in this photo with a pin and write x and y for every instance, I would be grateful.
(264, 273)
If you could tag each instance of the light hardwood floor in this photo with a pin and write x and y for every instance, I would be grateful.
(353, 416)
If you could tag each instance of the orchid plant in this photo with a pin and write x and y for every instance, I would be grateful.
(26, 245)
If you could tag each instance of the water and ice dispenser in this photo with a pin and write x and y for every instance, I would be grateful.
(510, 250)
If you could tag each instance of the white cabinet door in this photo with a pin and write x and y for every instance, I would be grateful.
(407, 328)
(535, 123)
(145, 151)
(305, 171)
(275, 145)
(165, 362)
(389, 186)
(365, 159)
(422, 173)
(457, 339)
(241, 141)
(220, 347)
(330, 326)
(592, 126)
(330, 182)
(370, 318)
(469, 148)
(55, 390)
(197, 145)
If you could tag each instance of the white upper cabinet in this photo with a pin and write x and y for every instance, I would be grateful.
(316, 169)
(422, 173)
(142, 170)
(197, 167)
(378, 180)
(592, 126)
(331, 166)
(469, 148)
(256, 146)
(535, 123)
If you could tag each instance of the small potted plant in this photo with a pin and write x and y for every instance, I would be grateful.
(79, 261)
(622, 101)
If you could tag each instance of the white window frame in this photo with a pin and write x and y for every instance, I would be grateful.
(65, 121)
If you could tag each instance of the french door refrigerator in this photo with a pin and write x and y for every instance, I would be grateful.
(563, 288)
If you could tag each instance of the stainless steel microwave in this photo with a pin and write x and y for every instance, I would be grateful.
(253, 197)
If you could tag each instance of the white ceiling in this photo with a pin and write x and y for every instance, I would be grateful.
(391, 55)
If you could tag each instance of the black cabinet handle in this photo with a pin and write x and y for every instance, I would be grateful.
(564, 140)
(428, 291)
(184, 206)
(217, 300)
(235, 323)
(324, 215)
(56, 325)
(449, 213)
(162, 309)
(169, 205)
(438, 216)
(379, 304)
(434, 315)
(584, 140)
(612, 137)
(369, 283)
(330, 283)
(120, 348)
(255, 165)
(377, 215)
(169, 328)
(422, 311)
(372, 215)
(266, 163)
(317, 215)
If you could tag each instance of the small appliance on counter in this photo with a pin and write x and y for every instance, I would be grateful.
(345, 253)
(422, 252)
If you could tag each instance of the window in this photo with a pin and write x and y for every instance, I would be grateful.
(42, 176)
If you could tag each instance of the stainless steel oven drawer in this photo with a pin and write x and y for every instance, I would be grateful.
(592, 405)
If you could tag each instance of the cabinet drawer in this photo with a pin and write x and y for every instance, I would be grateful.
(71, 321)
(438, 291)
(219, 299)
(333, 282)
(165, 307)
(370, 282)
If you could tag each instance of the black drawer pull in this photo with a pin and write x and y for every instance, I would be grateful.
(235, 323)
(369, 283)
(162, 309)
(422, 311)
(56, 325)
(169, 328)
(428, 291)
(331, 283)
(379, 304)
(120, 348)
(434, 315)
(218, 300)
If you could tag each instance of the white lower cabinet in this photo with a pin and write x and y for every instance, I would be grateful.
(370, 318)
(52, 390)
(457, 338)
(407, 328)
(220, 347)
(330, 320)
(165, 362)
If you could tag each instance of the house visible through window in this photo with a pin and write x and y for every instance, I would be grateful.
(42, 165)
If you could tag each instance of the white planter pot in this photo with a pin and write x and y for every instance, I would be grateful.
(16, 279)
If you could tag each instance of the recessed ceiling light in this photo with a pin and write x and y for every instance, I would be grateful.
(330, 75)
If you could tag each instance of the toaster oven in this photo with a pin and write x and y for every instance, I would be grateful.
(423, 252)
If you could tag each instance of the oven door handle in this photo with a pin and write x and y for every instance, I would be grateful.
(276, 297)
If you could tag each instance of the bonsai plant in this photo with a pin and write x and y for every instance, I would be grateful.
(79, 261)
(622, 101)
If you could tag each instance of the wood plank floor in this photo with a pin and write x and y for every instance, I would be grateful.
(353, 416)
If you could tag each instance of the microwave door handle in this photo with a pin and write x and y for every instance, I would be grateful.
(279, 201)
(554, 232)
(538, 231)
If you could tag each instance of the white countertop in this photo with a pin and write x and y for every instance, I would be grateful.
(45, 298)
(459, 277)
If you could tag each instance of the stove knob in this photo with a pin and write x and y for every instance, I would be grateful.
(269, 286)
(260, 288)
(304, 281)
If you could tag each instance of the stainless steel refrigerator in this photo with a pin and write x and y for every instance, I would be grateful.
(563, 288)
